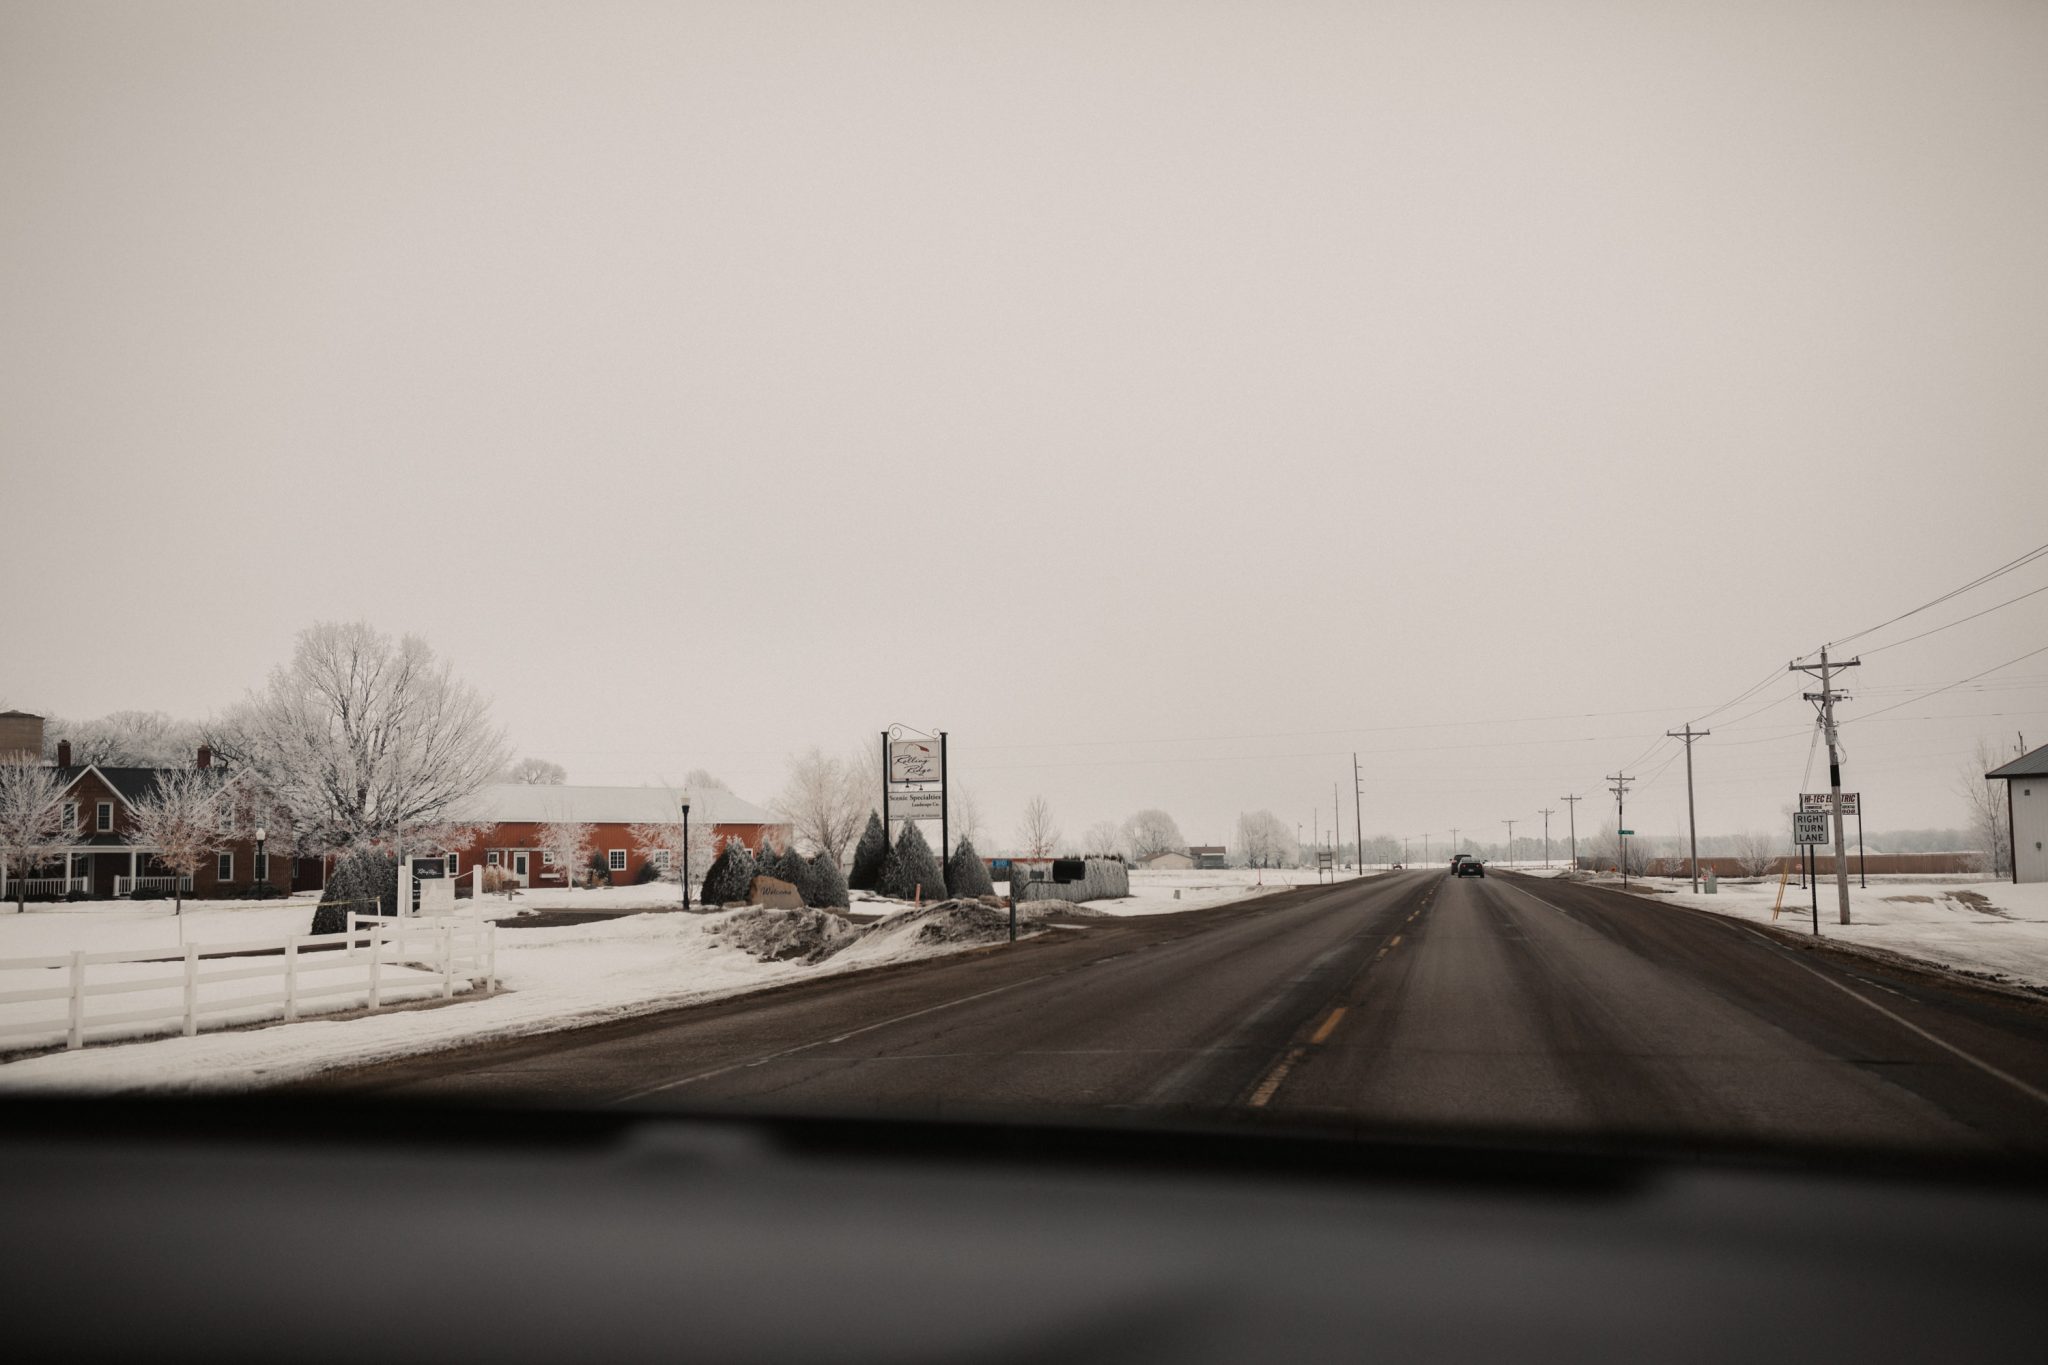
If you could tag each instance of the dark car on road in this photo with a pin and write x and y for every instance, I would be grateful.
(1468, 866)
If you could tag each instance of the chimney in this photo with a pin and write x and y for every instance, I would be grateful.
(205, 756)
(63, 753)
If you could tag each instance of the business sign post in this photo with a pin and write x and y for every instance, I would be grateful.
(914, 781)
(1852, 804)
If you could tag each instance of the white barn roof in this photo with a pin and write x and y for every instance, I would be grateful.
(546, 803)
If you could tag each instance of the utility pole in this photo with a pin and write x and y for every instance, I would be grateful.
(1620, 790)
(1357, 815)
(1454, 838)
(1511, 839)
(1547, 813)
(1572, 809)
(1691, 824)
(1425, 848)
(1825, 699)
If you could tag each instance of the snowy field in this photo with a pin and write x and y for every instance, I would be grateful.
(635, 963)
(1976, 925)
(1153, 891)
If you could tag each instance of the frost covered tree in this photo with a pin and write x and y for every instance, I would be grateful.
(869, 855)
(966, 873)
(731, 876)
(126, 739)
(1262, 839)
(822, 801)
(569, 843)
(1100, 840)
(667, 837)
(32, 831)
(910, 870)
(1152, 831)
(537, 772)
(700, 780)
(365, 740)
(1038, 834)
(181, 818)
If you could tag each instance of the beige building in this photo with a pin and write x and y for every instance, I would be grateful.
(2026, 796)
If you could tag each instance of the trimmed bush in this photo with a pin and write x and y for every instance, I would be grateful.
(966, 874)
(359, 877)
(600, 870)
(732, 873)
(869, 855)
(822, 886)
(648, 873)
(910, 869)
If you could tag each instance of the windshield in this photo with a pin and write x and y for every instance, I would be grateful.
(852, 560)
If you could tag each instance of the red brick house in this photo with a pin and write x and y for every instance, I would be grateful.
(514, 813)
(100, 862)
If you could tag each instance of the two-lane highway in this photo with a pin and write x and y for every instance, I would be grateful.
(1401, 1002)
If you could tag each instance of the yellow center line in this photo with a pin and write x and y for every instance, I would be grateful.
(1394, 942)
(1328, 1024)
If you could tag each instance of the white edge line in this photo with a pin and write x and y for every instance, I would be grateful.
(1742, 927)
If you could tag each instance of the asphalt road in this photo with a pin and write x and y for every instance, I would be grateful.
(1397, 1003)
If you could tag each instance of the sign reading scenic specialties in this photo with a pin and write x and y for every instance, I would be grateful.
(917, 804)
(1822, 801)
(913, 760)
(1809, 827)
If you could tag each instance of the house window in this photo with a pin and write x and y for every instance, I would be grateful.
(224, 868)
(71, 815)
(547, 859)
(617, 860)
(490, 857)
(103, 816)
(454, 864)
(661, 859)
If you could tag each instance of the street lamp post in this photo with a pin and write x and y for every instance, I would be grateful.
(259, 871)
(686, 855)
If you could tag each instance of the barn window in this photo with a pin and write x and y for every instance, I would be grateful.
(618, 860)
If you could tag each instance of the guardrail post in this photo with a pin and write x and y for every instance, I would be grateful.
(490, 947)
(75, 1038)
(447, 961)
(291, 977)
(191, 989)
(376, 967)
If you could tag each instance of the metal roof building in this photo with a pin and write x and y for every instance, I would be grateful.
(2026, 805)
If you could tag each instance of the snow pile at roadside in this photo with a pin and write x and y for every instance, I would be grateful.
(554, 978)
(786, 935)
(1992, 930)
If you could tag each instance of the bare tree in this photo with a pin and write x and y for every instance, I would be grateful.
(964, 813)
(187, 819)
(32, 830)
(1756, 852)
(365, 740)
(700, 780)
(1100, 840)
(568, 843)
(1038, 834)
(1262, 839)
(825, 802)
(1153, 831)
(1985, 801)
(537, 772)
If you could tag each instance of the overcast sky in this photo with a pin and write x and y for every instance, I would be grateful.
(1166, 400)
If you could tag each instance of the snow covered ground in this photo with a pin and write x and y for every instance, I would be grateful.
(554, 978)
(1979, 926)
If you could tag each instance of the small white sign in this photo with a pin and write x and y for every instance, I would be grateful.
(1809, 827)
(1824, 800)
(913, 760)
(917, 805)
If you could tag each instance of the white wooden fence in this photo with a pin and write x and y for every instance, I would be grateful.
(128, 886)
(373, 963)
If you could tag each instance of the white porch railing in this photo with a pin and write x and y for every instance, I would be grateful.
(44, 886)
(376, 962)
(128, 886)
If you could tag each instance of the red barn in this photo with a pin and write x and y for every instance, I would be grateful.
(516, 811)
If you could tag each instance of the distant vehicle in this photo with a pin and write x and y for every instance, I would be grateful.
(1468, 867)
(1394, 867)
(1457, 858)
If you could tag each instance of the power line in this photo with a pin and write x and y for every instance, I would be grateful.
(1959, 621)
(1958, 683)
(2029, 557)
